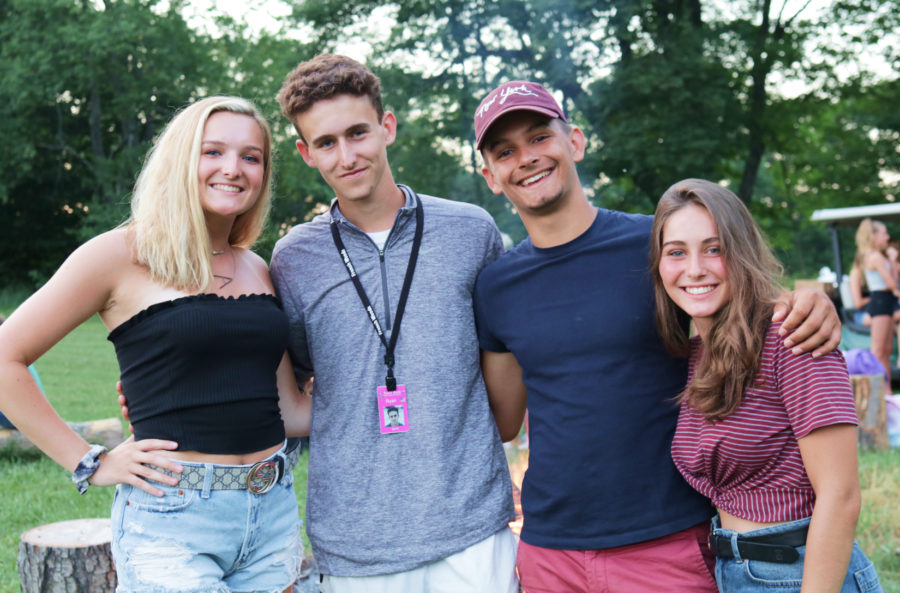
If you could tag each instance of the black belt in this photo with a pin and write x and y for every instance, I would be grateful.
(773, 547)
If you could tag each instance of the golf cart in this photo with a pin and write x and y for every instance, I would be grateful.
(853, 334)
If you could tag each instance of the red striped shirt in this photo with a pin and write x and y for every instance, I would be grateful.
(749, 464)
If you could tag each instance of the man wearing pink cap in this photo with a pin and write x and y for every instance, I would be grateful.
(568, 314)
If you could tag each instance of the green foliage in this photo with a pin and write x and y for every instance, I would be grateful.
(663, 90)
(86, 90)
(11, 295)
(631, 111)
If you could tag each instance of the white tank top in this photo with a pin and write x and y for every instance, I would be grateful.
(874, 280)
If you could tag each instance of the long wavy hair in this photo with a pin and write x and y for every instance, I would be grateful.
(732, 350)
(865, 240)
(167, 221)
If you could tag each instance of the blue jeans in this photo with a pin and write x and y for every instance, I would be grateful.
(209, 541)
(737, 575)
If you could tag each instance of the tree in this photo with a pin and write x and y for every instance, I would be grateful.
(664, 89)
(84, 91)
(436, 61)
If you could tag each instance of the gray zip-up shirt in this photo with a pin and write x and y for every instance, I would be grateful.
(385, 503)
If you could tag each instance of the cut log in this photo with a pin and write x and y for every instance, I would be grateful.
(107, 432)
(868, 391)
(67, 557)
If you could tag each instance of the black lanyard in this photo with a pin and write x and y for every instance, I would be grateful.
(390, 381)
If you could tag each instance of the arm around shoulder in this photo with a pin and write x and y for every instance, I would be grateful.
(810, 322)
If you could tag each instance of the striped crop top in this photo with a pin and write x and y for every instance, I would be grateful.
(200, 370)
(749, 464)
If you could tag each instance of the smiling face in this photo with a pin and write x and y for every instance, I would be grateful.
(347, 143)
(691, 266)
(531, 159)
(231, 167)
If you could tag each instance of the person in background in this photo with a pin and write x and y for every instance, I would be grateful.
(770, 437)
(859, 292)
(205, 498)
(893, 254)
(881, 278)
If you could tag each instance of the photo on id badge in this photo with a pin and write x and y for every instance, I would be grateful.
(392, 410)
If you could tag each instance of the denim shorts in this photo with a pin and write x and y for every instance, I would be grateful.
(736, 575)
(209, 541)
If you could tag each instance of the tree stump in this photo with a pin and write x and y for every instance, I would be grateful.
(868, 391)
(67, 557)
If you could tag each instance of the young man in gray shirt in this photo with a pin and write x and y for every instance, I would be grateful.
(378, 291)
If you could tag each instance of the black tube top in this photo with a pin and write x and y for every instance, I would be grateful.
(200, 370)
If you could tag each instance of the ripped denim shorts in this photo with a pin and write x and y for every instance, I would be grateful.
(203, 540)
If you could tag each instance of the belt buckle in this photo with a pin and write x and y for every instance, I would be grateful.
(263, 476)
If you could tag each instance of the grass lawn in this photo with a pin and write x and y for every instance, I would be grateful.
(878, 531)
(79, 377)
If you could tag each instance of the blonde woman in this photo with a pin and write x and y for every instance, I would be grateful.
(881, 277)
(768, 436)
(205, 497)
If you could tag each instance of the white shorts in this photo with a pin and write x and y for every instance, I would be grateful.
(486, 567)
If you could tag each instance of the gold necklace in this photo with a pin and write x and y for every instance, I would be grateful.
(226, 280)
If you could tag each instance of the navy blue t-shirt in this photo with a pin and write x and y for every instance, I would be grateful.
(579, 318)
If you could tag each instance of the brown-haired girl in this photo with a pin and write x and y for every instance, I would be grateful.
(770, 437)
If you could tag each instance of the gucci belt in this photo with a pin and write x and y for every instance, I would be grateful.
(258, 478)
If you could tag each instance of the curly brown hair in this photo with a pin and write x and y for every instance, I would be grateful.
(323, 77)
(732, 350)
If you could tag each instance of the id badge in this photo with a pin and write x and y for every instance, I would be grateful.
(392, 411)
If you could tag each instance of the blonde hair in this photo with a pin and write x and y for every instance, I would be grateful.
(865, 240)
(731, 351)
(167, 221)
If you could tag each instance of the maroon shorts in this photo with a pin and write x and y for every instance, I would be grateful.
(679, 562)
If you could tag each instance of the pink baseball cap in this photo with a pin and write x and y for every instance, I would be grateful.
(517, 95)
